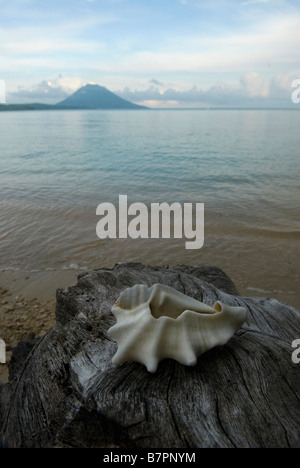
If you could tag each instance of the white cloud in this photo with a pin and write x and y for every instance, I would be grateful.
(281, 82)
(253, 90)
(272, 43)
(52, 37)
(255, 85)
(47, 91)
(34, 47)
(68, 84)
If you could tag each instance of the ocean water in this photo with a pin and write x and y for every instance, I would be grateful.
(57, 166)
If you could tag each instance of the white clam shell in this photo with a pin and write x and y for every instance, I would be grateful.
(160, 322)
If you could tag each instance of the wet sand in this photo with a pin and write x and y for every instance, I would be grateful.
(27, 306)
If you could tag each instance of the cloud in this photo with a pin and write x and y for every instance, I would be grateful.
(52, 37)
(156, 82)
(253, 90)
(271, 42)
(86, 44)
(255, 85)
(47, 91)
(41, 46)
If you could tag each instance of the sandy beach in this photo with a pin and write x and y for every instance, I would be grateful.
(27, 306)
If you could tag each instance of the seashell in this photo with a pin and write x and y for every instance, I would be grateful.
(160, 322)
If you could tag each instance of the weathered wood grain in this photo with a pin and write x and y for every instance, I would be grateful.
(67, 394)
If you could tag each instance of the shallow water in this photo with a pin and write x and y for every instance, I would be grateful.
(57, 166)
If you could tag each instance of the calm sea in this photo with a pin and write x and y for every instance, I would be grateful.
(57, 166)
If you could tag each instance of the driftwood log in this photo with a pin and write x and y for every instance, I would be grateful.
(66, 393)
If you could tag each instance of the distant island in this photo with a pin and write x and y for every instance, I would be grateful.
(87, 97)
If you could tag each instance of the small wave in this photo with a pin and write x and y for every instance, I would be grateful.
(10, 268)
(73, 266)
(250, 288)
(275, 291)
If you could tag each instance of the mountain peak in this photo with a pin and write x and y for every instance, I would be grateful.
(93, 96)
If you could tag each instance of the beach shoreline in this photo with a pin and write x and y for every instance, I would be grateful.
(27, 306)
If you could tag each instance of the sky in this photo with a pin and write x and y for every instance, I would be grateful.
(159, 53)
